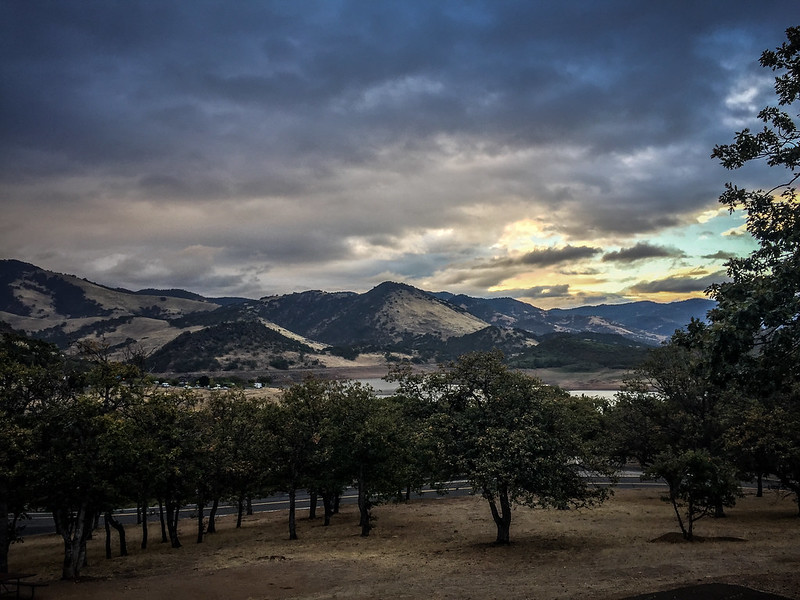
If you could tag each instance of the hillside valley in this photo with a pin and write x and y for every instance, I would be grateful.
(181, 332)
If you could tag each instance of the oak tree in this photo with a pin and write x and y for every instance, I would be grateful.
(515, 439)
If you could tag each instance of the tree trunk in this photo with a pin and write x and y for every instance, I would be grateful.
(327, 506)
(56, 522)
(164, 538)
(74, 531)
(690, 520)
(292, 508)
(5, 538)
(144, 524)
(760, 484)
(200, 516)
(172, 523)
(687, 534)
(212, 517)
(249, 506)
(312, 505)
(108, 536)
(95, 525)
(502, 517)
(364, 506)
(123, 544)
(239, 512)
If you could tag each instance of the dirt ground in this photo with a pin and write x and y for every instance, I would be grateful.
(441, 547)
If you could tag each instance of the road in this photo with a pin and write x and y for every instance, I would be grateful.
(39, 523)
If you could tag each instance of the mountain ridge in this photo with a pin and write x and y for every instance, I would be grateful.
(311, 327)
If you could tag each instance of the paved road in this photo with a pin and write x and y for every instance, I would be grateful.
(42, 522)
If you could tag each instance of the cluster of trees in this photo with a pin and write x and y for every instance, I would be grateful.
(721, 401)
(83, 440)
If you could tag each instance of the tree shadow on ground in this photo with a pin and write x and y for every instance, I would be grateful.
(675, 537)
(709, 591)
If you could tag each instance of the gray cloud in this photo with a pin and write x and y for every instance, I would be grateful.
(642, 251)
(324, 146)
(546, 257)
(679, 284)
(721, 255)
(541, 291)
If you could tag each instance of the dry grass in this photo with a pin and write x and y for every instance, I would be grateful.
(441, 548)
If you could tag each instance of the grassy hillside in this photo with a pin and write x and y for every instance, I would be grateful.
(582, 352)
(225, 347)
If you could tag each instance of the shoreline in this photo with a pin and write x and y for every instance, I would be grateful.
(605, 379)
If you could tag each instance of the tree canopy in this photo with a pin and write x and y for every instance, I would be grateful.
(516, 440)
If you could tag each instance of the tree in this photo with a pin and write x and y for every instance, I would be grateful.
(756, 325)
(83, 467)
(366, 445)
(515, 439)
(698, 484)
(31, 374)
(171, 423)
(70, 477)
(671, 418)
(233, 461)
(295, 426)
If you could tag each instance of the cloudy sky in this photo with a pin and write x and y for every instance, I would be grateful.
(552, 151)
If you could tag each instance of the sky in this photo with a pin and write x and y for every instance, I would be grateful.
(557, 152)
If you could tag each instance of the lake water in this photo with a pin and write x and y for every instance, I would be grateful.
(385, 388)
(599, 393)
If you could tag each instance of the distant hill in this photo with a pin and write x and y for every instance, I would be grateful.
(231, 346)
(178, 293)
(652, 317)
(64, 309)
(389, 314)
(182, 331)
(646, 322)
(582, 352)
(503, 312)
(172, 293)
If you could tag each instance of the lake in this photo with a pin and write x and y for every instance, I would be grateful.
(385, 388)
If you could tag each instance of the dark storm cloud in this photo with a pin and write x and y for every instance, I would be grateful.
(555, 256)
(87, 77)
(720, 255)
(541, 291)
(679, 284)
(642, 251)
(344, 128)
(546, 257)
(489, 273)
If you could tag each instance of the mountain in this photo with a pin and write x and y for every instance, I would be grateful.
(230, 346)
(389, 314)
(64, 309)
(183, 331)
(659, 319)
(502, 312)
(581, 352)
(645, 322)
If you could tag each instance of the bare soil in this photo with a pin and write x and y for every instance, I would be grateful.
(442, 548)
